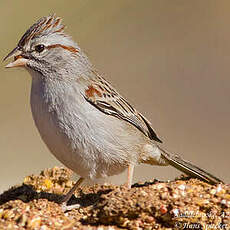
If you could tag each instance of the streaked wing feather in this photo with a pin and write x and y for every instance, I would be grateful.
(105, 98)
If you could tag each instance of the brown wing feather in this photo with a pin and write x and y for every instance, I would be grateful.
(101, 95)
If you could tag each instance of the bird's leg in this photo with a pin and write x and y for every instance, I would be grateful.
(130, 175)
(66, 198)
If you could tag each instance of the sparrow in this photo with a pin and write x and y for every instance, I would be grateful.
(84, 121)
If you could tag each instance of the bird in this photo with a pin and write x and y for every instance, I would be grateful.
(83, 120)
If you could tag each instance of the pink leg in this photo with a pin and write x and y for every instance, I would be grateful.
(130, 176)
(68, 196)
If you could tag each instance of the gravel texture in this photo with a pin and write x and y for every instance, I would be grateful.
(180, 204)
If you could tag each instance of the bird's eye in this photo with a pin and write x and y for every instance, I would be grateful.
(39, 48)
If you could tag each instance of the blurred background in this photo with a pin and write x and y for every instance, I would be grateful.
(170, 59)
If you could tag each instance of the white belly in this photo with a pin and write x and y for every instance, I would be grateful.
(77, 138)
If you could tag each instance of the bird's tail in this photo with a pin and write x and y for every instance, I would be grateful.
(188, 168)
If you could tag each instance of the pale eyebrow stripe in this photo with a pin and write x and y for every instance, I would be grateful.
(69, 48)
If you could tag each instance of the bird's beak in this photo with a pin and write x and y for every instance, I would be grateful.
(19, 60)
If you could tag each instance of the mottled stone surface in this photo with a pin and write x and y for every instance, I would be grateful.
(180, 204)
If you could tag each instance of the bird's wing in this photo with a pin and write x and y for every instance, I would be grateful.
(104, 97)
